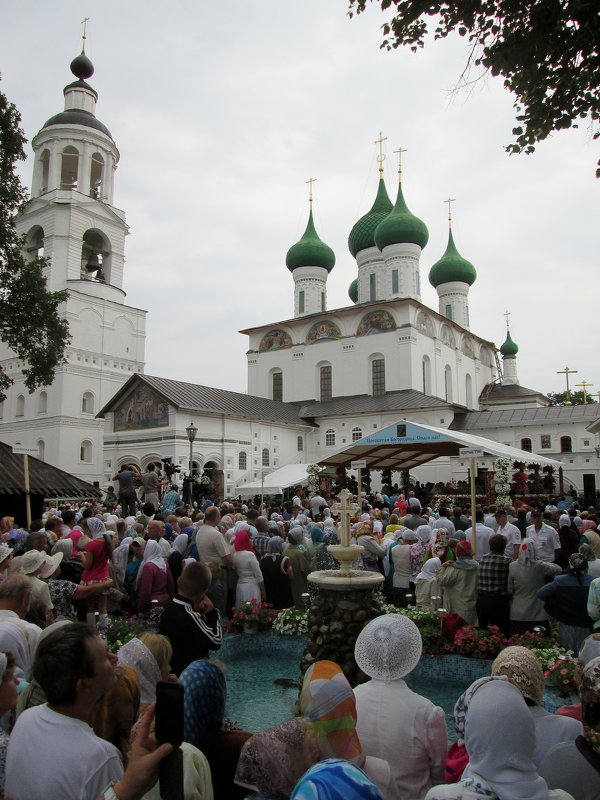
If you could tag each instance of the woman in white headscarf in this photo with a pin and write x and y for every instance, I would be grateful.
(393, 722)
(95, 559)
(500, 740)
(427, 589)
(154, 582)
(120, 558)
(525, 576)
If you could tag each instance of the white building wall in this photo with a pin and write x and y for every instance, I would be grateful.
(312, 283)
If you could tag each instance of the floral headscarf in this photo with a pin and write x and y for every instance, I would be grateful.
(136, 655)
(589, 692)
(204, 697)
(527, 553)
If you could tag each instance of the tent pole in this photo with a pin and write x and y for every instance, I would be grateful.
(27, 493)
(473, 509)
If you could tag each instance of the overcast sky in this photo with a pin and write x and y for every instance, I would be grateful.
(222, 111)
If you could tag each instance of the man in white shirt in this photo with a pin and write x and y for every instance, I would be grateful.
(547, 543)
(16, 635)
(316, 503)
(512, 533)
(489, 518)
(214, 548)
(443, 522)
(482, 535)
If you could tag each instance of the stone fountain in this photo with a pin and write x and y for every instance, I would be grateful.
(343, 601)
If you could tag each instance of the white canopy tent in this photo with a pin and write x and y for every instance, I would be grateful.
(275, 482)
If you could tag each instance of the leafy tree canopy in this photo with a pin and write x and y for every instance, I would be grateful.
(29, 321)
(576, 398)
(547, 51)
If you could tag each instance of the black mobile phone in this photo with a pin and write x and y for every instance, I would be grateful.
(169, 713)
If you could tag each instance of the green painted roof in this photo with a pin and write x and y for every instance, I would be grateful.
(452, 267)
(353, 291)
(401, 226)
(509, 348)
(310, 251)
(362, 234)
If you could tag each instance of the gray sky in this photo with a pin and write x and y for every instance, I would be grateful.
(222, 111)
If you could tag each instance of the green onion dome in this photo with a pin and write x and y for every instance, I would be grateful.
(310, 251)
(362, 234)
(401, 226)
(452, 267)
(353, 291)
(509, 348)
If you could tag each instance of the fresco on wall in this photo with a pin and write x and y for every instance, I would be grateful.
(143, 408)
(376, 322)
(323, 330)
(425, 325)
(447, 336)
(467, 347)
(275, 340)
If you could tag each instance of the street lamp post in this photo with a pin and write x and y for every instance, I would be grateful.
(191, 431)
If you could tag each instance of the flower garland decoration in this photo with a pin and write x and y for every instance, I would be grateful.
(312, 485)
(502, 467)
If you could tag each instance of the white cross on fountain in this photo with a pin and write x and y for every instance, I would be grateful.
(345, 509)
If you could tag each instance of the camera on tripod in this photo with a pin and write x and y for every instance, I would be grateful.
(170, 468)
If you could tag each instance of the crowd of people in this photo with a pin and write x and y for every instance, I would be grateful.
(84, 715)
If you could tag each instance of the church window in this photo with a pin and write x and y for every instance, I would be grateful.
(41, 446)
(378, 376)
(301, 302)
(34, 242)
(322, 301)
(448, 383)
(330, 438)
(325, 380)
(372, 287)
(85, 451)
(43, 403)
(467, 315)
(20, 409)
(448, 312)
(96, 171)
(45, 162)
(469, 391)
(526, 445)
(69, 168)
(96, 259)
(395, 283)
(356, 434)
(565, 444)
(265, 457)
(300, 444)
(277, 387)
(545, 441)
(243, 461)
(426, 369)
(418, 281)
(87, 403)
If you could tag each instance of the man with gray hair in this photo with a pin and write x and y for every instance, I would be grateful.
(16, 635)
(155, 531)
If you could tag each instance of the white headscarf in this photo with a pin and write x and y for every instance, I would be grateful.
(430, 569)
(96, 527)
(527, 553)
(152, 555)
(136, 655)
(121, 555)
(180, 544)
(424, 533)
(564, 520)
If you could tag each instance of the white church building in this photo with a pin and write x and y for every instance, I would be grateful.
(316, 381)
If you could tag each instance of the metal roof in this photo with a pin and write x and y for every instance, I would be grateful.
(511, 390)
(521, 417)
(404, 400)
(406, 445)
(44, 479)
(194, 397)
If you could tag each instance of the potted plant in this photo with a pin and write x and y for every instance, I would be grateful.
(252, 617)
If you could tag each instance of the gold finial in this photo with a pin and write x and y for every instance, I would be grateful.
(450, 200)
(381, 156)
(507, 318)
(566, 372)
(584, 384)
(84, 22)
(400, 150)
(310, 181)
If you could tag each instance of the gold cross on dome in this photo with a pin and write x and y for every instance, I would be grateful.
(400, 150)
(507, 318)
(84, 22)
(310, 181)
(381, 156)
(566, 372)
(450, 200)
(584, 384)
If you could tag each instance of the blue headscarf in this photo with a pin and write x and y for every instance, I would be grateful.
(203, 701)
(316, 534)
(335, 779)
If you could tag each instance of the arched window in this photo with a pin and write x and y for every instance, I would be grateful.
(85, 451)
(565, 444)
(34, 242)
(20, 407)
(325, 383)
(277, 385)
(43, 403)
(300, 444)
(69, 168)
(378, 376)
(469, 391)
(330, 438)
(243, 461)
(96, 172)
(265, 457)
(95, 256)
(356, 434)
(426, 370)
(448, 383)
(526, 445)
(41, 446)
(87, 403)
(45, 170)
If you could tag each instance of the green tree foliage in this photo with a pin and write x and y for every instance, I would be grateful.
(29, 320)
(547, 51)
(559, 398)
